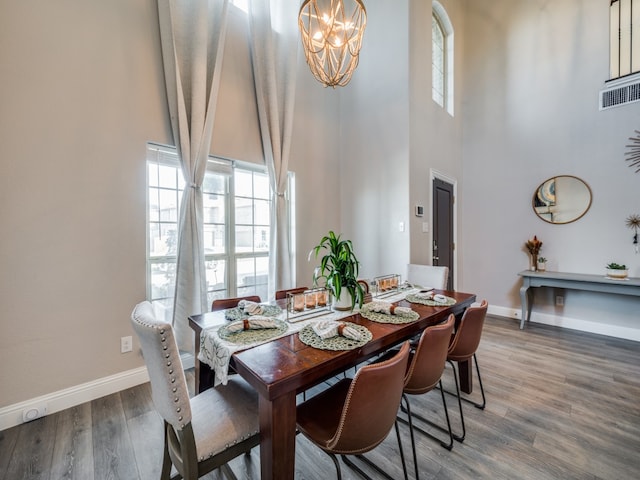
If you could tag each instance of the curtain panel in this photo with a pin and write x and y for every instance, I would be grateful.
(192, 36)
(274, 53)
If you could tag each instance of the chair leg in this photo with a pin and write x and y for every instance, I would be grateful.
(484, 400)
(337, 464)
(459, 438)
(412, 426)
(413, 440)
(364, 459)
(166, 459)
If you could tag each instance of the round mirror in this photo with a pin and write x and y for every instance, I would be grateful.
(562, 199)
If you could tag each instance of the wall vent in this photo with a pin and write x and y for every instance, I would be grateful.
(615, 97)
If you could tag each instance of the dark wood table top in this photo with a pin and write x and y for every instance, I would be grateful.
(286, 364)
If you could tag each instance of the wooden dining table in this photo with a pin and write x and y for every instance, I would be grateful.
(282, 368)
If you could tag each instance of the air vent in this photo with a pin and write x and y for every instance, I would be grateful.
(615, 97)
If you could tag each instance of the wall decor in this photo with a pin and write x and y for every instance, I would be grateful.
(633, 222)
(634, 152)
(561, 199)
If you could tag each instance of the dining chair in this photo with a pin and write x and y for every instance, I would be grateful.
(224, 303)
(462, 347)
(282, 294)
(356, 414)
(426, 365)
(428, 276)
(203, 433)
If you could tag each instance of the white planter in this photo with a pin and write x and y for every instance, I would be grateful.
(616, 273)
(344, 302)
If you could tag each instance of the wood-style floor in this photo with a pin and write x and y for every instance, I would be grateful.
(560, 405)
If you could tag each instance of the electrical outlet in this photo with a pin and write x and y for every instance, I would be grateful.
(559, 300)
(126, 344)
(33, 412)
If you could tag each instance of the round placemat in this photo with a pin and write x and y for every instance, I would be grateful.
(413, 298)
(311, 338)
(246, 337)
(384, 318)
(237, 314)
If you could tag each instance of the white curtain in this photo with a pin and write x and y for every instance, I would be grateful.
(274, 52)
(192, 35)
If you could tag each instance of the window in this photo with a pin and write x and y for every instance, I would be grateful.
(236, 217)
(442, 58)
(624, 18)
(437, 61)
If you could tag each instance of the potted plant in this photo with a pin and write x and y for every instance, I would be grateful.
(339, 268)
(616, 270)
(542, 264)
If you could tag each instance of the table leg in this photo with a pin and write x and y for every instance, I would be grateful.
(526, 299)
(278, 437)
(465, 372)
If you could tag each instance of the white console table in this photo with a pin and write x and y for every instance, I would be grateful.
(572, 281)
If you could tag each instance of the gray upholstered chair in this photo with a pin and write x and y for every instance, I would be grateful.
(202, 433)
(428, 276)
(355, 415)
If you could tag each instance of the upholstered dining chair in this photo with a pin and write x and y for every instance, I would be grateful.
(463, 346)
(282, 294)
(426, 365)
(428, 276)
(202, 433)
(355, 415)
(224, 303)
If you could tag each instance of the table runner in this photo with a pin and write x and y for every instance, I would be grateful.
(217, 352)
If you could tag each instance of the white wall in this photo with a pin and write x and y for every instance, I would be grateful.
(82, 93)
(533, 70)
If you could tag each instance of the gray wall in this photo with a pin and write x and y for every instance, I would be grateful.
(533, 70)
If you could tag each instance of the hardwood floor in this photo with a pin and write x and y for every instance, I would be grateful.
(560, 405)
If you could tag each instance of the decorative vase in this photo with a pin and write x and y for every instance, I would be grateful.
(534, 262)
(542, 266)
(344, 302)
(617, 273)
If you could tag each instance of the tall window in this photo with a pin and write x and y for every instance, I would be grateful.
(236, 227)
(624, 18)
(437, 61)
(442, 58)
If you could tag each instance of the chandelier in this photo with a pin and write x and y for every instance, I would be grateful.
(331, 38)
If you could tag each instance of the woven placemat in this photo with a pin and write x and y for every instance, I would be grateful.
(384, 318)
(413, 298)
(246, 337)
(311, 338)
(237, 314)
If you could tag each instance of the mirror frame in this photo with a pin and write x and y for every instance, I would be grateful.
(586, 209)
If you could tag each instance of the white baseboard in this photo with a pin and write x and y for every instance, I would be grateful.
(571, 323)
(11, 415)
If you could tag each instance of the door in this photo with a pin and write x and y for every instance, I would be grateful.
(443, 226)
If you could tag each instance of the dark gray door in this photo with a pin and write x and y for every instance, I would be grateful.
(443, 226)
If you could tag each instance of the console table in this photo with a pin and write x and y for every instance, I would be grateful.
(572, 281)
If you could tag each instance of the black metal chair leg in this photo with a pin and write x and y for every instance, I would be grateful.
(364, 459)
(484, 400)
(337, 464)
(459, 438)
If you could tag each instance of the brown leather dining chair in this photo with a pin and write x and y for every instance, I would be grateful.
(355, 415)
(282, 294)
(205, 432)
(463, 346)
(426, 365)
(224, 303)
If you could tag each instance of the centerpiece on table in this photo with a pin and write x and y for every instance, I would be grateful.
(533, 246)
(339, 268)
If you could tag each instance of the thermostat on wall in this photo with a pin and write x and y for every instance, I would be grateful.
(419, 210)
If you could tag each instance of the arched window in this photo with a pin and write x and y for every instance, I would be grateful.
(624, 18)
(442, 58)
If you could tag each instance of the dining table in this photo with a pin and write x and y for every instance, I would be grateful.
(281, 368)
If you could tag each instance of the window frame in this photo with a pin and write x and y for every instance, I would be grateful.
(167, 155)
(439, 14)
